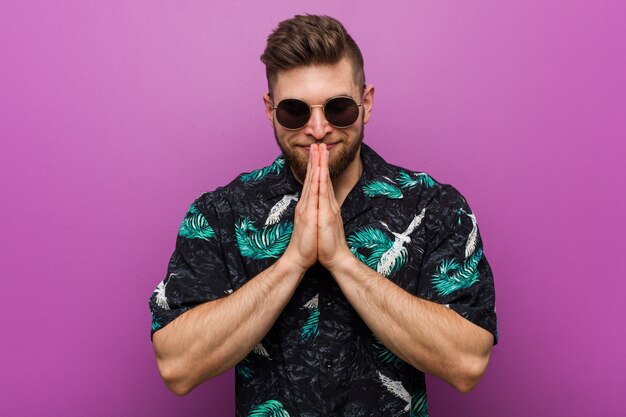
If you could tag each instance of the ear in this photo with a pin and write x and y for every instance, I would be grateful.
(368, 102)
(269, 112)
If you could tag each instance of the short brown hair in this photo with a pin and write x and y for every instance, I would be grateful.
(307, 40)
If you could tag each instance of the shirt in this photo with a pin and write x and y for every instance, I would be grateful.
(319, 358)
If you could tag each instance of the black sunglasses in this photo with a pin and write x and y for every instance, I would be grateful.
(340, 111)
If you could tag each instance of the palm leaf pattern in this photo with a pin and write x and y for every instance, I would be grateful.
(376, 188)
(195, 225)
(243, 369)
(374, 241)
(259, 174)
(407, 181)
(268, 242)
(396, 388)
(451, 276)
(310, 329)
(384, 354)
(156, 322)
(419, 404)
(279, 208)
(472, 238)
(270, 408)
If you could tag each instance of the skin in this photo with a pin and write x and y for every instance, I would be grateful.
(429, 336)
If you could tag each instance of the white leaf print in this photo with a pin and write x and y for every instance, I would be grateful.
(396, 388)
(260, 350)
(161, 299)
(279, 208)
(313, 302)
(390, 258)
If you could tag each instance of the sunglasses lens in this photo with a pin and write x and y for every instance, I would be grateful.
(292, 113)
(341, 111)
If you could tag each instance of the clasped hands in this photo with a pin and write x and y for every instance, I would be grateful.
(318, 228)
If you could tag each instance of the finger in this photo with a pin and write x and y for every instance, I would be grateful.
(307, 181)
(324, 202)
(312, 195)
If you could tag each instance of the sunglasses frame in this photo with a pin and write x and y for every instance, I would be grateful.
(323, 106)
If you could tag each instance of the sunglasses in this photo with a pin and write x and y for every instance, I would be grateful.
(340, 111)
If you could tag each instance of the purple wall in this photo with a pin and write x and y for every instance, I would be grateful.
(115, 116)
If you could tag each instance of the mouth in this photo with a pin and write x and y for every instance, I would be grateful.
(307, 148)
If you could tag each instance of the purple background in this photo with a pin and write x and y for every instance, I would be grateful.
(115, 115)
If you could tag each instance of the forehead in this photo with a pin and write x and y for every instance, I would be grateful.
(316, 83)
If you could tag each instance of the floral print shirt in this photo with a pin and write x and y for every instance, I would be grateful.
(319, 358)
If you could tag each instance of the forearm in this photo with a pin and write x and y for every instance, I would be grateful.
(213, 337)
(427, 335)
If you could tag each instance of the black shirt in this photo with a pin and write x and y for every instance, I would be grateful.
(319, 358)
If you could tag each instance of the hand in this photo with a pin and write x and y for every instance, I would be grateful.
(332, 248)
(302, 249)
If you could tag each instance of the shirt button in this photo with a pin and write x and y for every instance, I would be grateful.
(329, 364)
(329, 303)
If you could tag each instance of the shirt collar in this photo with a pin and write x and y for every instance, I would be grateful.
(375, 168)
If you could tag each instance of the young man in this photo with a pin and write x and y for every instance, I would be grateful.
(332, 280)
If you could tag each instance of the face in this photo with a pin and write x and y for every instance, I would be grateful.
(314, 85)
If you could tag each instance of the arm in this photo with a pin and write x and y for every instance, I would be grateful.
(213, 337)
(427, 335)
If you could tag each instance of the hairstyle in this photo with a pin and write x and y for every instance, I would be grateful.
(309, 40)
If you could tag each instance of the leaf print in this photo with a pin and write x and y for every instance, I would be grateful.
(310, 329)
(160, 298)
(243, 369)
(419, 404)
(396, 256)
(451, 276)
(375, 241)
(270, 408)
(384, 354)
(259, 349)
(156, 322)
(279, 208)
(473, 236)
(396, 388)
(195, 225)
(377, 188)
(259, 174)
(269, 242)
(407, 181)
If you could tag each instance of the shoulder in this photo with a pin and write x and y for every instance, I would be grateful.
(246, 188)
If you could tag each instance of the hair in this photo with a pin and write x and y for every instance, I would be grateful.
(310, 40)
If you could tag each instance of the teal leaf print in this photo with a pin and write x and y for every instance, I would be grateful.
(369, 245)
(243, 369)
(195, 225)
(310, 329)
(384, 354)
(472, 238)
(268, 242)
(259, 174)
(156, 322)
(451, 276)
(377, 188)
(419, 404)
(407, 181)
(270, 408)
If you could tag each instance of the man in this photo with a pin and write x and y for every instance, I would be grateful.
(332, 280)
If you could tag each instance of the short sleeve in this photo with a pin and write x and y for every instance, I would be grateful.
(197, 271)
(455, 271)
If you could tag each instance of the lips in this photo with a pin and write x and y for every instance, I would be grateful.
(307, 148)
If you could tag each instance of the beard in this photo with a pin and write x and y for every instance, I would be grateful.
(337, 163)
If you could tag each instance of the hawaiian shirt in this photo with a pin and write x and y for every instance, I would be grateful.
(320, 358)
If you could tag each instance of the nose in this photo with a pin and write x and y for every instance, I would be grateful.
(318, 126)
